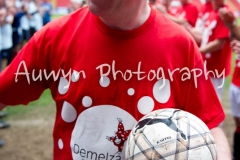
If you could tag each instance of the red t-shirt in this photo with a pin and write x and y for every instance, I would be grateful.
(188, 12)
(219, 60)
(91, 108)
(206, 8)
(236, 74)
(203, 16)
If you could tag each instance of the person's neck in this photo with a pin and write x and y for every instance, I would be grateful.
(128, 18)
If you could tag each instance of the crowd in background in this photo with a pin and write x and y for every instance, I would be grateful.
(19, 20)
(214, 28)
(76, 4)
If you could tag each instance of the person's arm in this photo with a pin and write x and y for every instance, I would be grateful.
(235, 44)
(196, 35)
(235, 31)
(196, 31)
(180, 21)
(223, 149)
(196, 100)
(213, 46)
(230, 22)
(17, 85)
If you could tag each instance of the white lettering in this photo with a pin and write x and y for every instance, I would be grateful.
(26, 73)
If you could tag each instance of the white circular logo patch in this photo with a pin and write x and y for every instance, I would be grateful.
(100, 133)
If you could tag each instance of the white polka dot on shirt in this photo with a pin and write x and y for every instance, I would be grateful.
(69, 113)
(104, 81)
(87, 101)
(63, 86)
(60, 144)
(162, 90)
(131, 91)
(75, 76)
(208, 55)
(145, 105)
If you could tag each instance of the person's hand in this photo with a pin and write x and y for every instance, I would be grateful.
(235, 44)
(227, 17)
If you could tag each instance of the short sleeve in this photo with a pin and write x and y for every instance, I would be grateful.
(203, 101)
(192, 15)
(18, 83)
(221, 31)
(195, 90)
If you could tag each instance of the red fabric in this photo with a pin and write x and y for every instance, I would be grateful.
(188, 12)
(206, 8)
(197, 3)
(219, 60)
(80, 41)
(236, 74)
(202, 17)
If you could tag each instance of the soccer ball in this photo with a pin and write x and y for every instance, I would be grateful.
(170, 134)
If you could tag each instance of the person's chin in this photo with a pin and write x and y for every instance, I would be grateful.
(94, 9)
(97, 9)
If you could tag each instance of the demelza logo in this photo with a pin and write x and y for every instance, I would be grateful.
(160, 73)
(91, 155)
